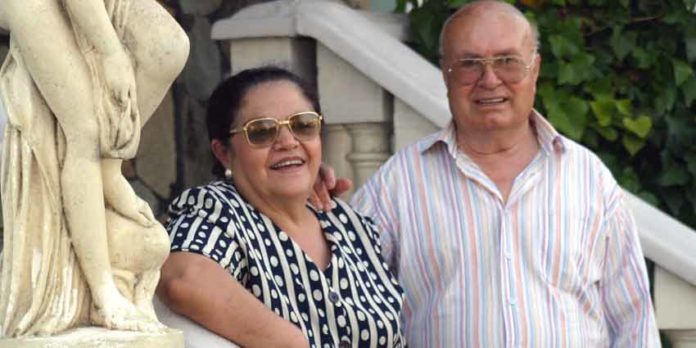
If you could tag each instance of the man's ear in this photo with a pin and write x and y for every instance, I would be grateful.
(443, 70)
(221, 151)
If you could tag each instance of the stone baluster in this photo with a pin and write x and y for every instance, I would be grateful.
(370, 149)
(350, 98)
(675, 308)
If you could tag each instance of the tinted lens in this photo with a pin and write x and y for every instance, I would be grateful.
(509, 69)
(262, 131)
(305, 126)
(467, 71)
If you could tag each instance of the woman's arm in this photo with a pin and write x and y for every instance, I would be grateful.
(197, 287)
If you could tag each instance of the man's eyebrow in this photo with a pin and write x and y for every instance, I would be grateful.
(470, 55)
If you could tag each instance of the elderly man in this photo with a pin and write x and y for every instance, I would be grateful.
(503, 232)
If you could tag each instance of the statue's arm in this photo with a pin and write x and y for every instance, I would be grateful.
(119, 194)
(92, 20)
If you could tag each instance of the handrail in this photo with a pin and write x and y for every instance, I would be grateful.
(416, 82)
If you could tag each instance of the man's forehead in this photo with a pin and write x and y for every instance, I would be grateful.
(496, 32)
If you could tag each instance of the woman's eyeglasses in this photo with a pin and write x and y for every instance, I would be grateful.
(263, 132)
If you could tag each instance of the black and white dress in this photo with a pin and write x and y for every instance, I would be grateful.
(354, 302)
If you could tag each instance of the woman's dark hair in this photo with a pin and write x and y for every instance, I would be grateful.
(226, 100)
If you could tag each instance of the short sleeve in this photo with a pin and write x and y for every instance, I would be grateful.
(202, 221)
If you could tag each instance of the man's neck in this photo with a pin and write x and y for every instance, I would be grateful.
(501, 154)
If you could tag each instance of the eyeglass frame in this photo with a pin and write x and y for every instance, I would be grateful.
(490, 61)
(279, 123)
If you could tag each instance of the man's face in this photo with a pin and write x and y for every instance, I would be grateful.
(490, 103)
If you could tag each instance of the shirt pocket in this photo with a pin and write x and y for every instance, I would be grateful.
(564, 249)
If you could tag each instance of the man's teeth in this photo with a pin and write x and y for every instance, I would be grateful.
(491, 101)
(287, 164)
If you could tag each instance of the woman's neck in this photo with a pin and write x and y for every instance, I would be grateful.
(286, 212)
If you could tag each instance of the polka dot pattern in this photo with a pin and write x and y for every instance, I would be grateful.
(355, 298)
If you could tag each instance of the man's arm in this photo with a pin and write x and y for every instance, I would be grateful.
(376, 200)
(197, 287)
(624, 287)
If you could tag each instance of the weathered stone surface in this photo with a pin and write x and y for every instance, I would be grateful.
(94, 337)
(148, 196)
(340, 85)
(296, 54)
(409, 125)
(199, 7)
(197, 159)
(203, 69)
(156, 160)
(336, 146)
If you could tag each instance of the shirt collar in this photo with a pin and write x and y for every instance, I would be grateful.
(548, 137)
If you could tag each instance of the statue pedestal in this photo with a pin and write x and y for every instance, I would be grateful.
(94, 337)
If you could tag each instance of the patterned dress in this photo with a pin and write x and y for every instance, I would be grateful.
(354, 302)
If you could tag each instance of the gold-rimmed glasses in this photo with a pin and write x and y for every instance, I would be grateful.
(509, 69)
(262, 132)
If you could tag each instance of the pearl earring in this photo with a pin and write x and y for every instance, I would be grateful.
(228, 173)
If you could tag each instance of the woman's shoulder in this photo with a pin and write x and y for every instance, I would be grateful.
(208, 196)
(346, 215)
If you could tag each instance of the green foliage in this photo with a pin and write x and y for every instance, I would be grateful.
(617, 76)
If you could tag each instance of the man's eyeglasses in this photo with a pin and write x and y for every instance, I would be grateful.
(263, 132)
(509, 69)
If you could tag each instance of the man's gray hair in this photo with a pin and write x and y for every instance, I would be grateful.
(464, 10)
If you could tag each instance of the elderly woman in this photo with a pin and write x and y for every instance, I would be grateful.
(251, 260)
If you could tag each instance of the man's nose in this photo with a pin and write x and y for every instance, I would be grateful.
(488, 77)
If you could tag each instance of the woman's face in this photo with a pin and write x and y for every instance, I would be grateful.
(288, 167)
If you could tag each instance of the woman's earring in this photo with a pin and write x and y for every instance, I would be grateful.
(228, 173)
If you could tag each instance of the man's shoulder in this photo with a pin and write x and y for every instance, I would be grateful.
(576, 154)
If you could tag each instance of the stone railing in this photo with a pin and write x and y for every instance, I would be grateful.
(378, 95)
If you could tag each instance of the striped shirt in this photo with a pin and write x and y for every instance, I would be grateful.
(556, 265)
(355, 301)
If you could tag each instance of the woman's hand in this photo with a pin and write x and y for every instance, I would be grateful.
(119, 77)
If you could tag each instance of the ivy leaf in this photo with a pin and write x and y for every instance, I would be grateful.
(690, 159)
(664, 101)
(562, 47)
(624, 107)
(644, 58)
(673, 175)
(689, 90)
(632, 144)
(569, 116)
(682, 71)
(690, 43)
(674, 200)
(649, 197)
(566, 74)
(600, 89)
(608, 133)
(603, 111)
(640, 126)
(622, 43)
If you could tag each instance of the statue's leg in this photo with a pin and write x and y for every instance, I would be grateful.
(55, 63)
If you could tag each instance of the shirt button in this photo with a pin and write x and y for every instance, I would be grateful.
(333, 296)
(508, 255)
(344, 344)
(512, 301)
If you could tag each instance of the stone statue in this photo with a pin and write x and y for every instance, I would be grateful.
(81, 78)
